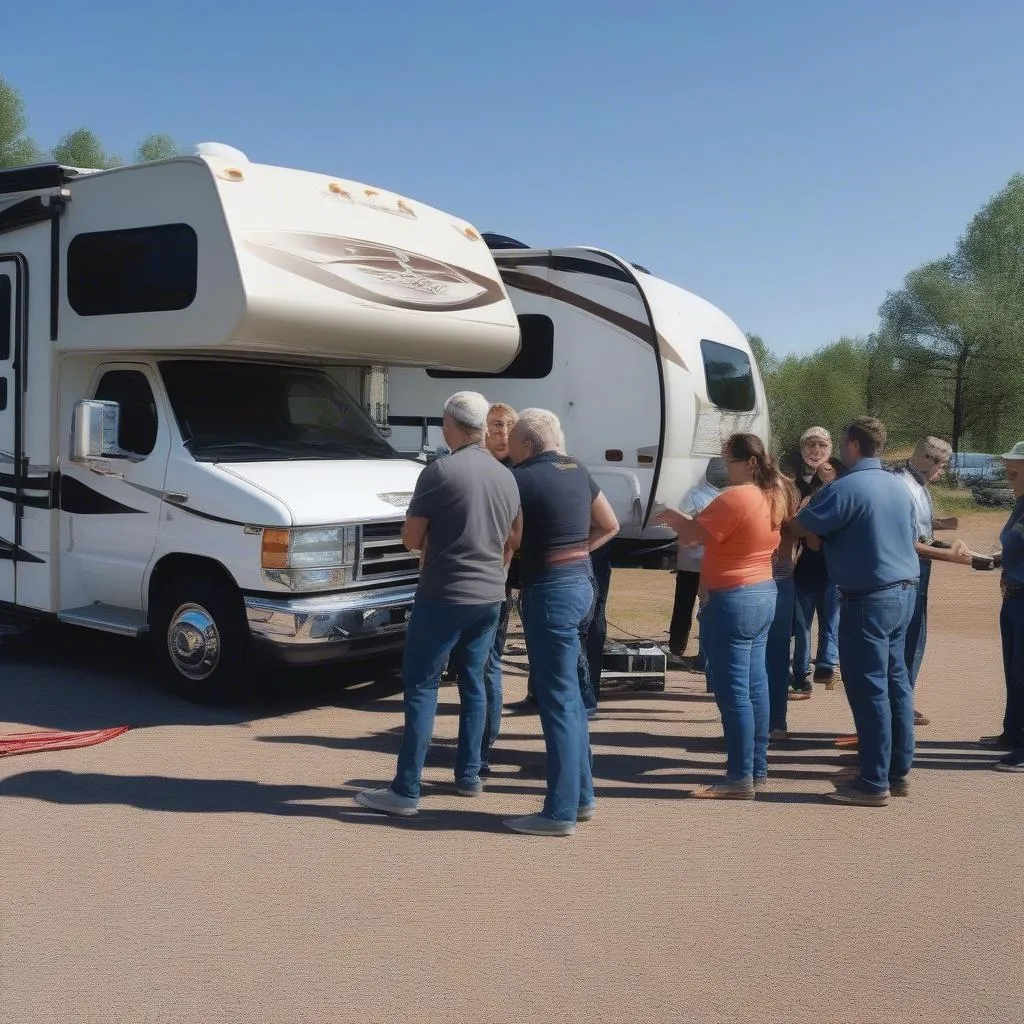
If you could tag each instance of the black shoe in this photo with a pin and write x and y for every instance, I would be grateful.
(1001, 742)
(1012, 762)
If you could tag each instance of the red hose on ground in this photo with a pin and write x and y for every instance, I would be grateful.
(32, 742)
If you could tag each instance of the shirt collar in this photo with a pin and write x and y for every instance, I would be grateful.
(865, 464)
(551, 456)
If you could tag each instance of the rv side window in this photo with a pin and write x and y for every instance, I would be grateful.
(534, 359)
(730, 377)
(5, 318)
(138, 423)
(139, 270)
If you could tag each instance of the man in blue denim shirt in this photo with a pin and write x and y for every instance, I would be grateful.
(868, 525)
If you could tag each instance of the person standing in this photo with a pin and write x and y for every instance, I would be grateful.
(501, 418)
(565, 517)
(927, 463)
(867, 524)
(740, 533)
(688, 563)
(815, 592)
(780, 635)
(1011, 620)
(464, 517)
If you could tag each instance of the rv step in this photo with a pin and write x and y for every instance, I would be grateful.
(108, 618)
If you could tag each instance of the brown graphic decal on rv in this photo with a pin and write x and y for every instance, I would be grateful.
(374, 271)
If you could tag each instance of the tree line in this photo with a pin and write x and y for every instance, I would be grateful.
(79, 147)
(947, 358)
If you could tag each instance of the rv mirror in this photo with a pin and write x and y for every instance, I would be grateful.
(94, 431)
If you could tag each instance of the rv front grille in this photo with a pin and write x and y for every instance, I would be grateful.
(383, 556)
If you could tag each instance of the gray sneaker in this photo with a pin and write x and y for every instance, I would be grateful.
(586, 812)
(388, 801)
(539, 825)
(853, 794)
(469, 787)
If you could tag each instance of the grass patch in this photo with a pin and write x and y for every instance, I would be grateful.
(954, 501)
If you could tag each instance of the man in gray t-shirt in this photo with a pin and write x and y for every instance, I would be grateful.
(464, 516)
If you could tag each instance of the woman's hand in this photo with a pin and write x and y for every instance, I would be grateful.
(826, 472)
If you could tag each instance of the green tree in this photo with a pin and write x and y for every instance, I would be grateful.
(82, 148)
(156, 147)
(16, 147)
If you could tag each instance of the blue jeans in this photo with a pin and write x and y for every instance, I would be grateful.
(736, 624)
(435, 627)
(492, 681)
(873, 646)
(1011, 628)
(777, 653)
(553, 608)
(917, 631)
(815, 594)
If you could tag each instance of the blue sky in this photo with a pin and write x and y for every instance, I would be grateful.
(788, 160)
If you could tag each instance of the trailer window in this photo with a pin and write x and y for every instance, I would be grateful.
(5, 318)
(730, 377)
(138, 270)
(138, 423)
(534, 359)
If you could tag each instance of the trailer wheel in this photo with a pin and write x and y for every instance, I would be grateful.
(201, 639)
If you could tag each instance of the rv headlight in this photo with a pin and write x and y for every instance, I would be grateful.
(317, 558)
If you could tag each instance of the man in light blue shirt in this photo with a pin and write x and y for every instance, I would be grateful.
(867, 524)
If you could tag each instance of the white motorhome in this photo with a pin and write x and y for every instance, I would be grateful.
(179, 456)
(647, 378)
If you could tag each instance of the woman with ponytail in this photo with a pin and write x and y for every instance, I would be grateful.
(740, 531)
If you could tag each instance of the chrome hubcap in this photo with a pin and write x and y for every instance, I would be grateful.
(193, 641)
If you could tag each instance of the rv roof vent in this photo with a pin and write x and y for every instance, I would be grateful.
(221, 152)
(502, 241)
(636, 266)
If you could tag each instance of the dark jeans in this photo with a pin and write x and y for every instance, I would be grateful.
(815, 594)
(597, 628)
(1011, 628)
(917, 631)
(553, 610)
(780, 636)
(873, 646)
(434, 629)
(735, 625)
(687, 586)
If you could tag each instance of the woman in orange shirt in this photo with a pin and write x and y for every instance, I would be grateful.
(740, 534)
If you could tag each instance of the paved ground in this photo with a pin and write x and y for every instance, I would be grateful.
(211, 866)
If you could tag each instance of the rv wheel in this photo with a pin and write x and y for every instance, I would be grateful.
(201, 639)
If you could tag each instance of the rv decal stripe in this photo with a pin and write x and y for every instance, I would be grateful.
(12, 553)
(207, 515)
(538, 286)
(80, 499)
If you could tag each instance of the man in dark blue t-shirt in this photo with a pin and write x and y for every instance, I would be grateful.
(565, 517)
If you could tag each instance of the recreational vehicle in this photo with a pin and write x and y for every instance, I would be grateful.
(648, 379)
(180, 458)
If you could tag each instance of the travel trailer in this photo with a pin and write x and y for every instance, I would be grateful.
(647, 378)
(180, 459)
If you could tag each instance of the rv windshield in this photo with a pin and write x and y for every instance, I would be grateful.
(255, 412)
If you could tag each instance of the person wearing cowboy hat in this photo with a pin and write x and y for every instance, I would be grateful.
(1011, 618)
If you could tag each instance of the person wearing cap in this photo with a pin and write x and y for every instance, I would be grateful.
(1011, 619)
(501, 418)
(815, 592)
(688, 563)
(464, 517)
(927, 463)
(867, 524)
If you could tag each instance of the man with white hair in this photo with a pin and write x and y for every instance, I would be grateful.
(929, 461)
(565, 517)
(464, 517)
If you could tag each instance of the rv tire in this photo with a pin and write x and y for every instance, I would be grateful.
(201, 639)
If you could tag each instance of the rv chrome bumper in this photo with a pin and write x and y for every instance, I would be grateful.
(308, 630)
